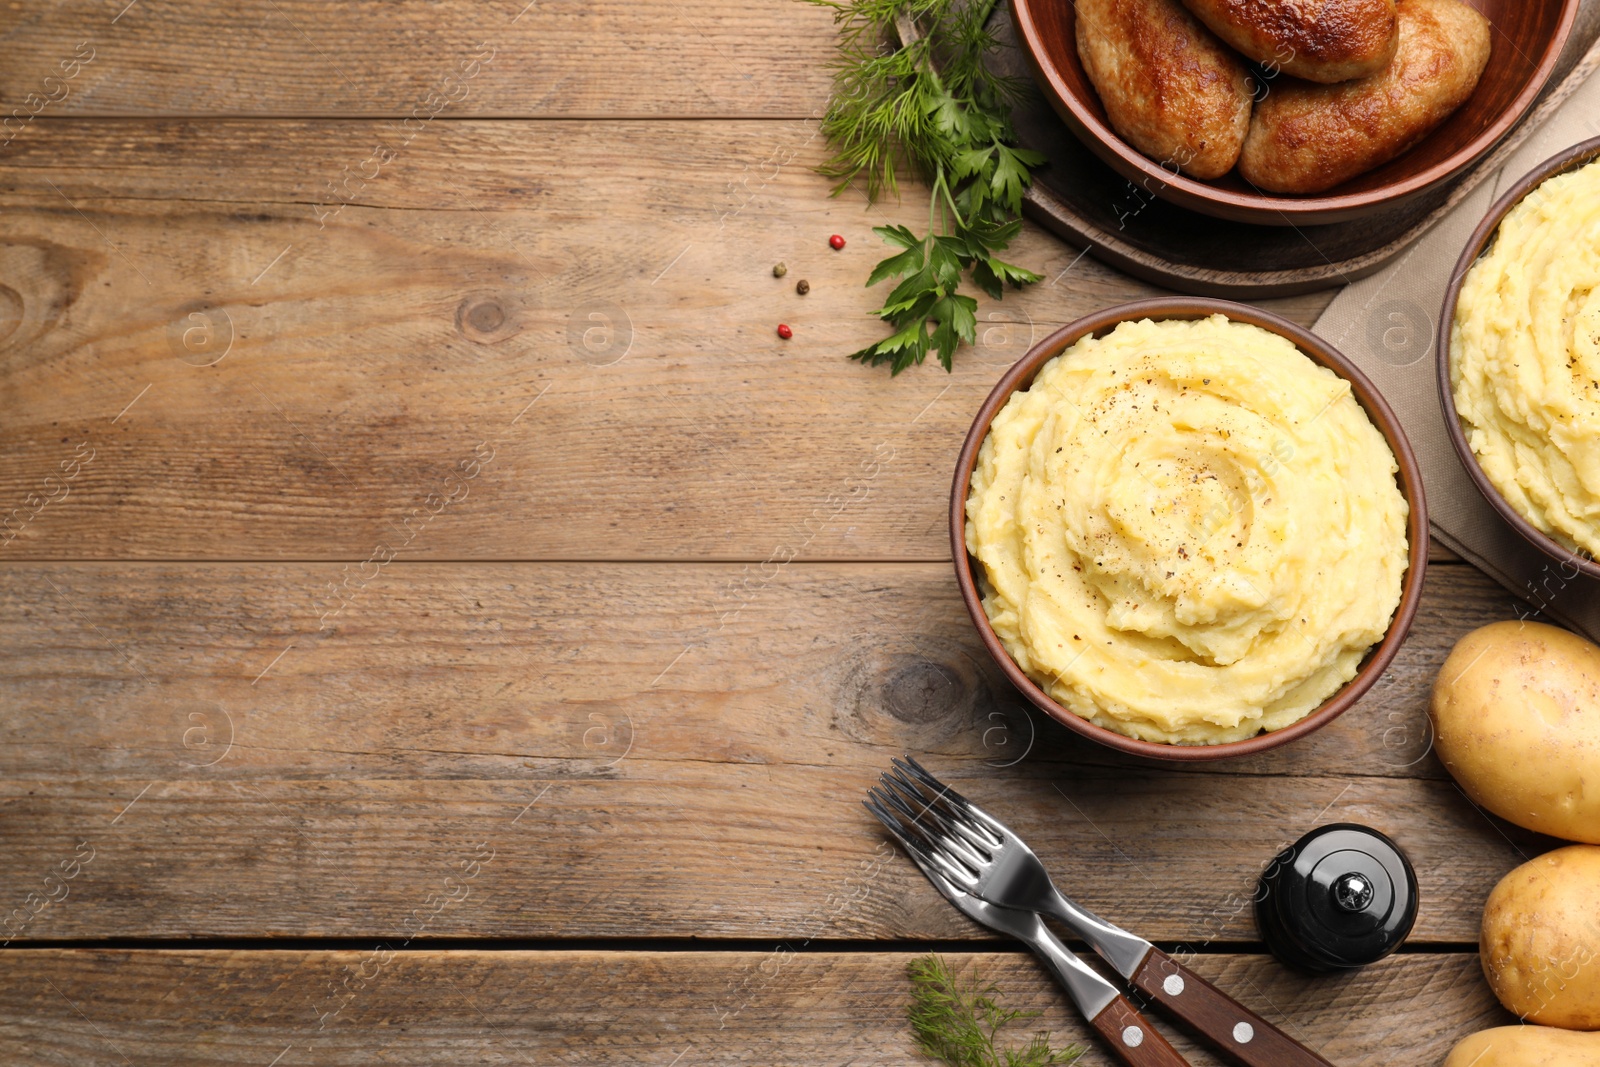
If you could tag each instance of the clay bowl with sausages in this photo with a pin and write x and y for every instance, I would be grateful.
(1524, 38)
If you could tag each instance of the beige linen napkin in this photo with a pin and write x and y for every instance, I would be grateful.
(1386, 324)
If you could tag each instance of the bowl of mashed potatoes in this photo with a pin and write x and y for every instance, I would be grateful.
(1188, 529)
(1519, 376)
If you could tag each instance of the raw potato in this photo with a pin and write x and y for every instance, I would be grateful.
(1306, 138)
(1516, 720)
(1326, 41)
(1541, 939)
(1525, 1046)
(1169, 87)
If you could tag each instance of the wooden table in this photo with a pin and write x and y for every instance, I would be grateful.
(444, 623)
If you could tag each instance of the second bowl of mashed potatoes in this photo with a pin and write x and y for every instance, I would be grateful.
(1519, 374)
(1188, 529)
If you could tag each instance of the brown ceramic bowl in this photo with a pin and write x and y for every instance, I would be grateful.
(1482, 237)
(1021, 376)
(1527, 39)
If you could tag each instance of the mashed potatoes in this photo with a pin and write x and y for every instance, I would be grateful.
(1525, 359)
(1189, 531)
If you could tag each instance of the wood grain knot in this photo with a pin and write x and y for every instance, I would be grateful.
(929, 695)
(486, 317)
(924, 691)
(47, 280)
(483, 320)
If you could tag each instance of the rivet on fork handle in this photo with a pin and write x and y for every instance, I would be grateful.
(1243, 1036)
(1132, 1039)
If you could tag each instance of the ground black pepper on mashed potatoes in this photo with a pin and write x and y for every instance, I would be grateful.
(1189, 531)
(1525, 359)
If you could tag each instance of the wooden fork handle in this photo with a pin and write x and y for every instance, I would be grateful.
(1234, 1030)
(1133, 1039)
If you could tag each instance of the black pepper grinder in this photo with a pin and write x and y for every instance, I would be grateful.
(1341, 897)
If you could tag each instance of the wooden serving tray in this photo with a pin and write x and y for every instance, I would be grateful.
(1083, 200)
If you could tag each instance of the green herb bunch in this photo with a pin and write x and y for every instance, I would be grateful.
(929, 106)
(957, 1022)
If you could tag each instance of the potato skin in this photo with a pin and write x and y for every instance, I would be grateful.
(1169, 87)
(1326, 41)
(1523, 1046)
(1540, 945)
(1516, 721)
(1307, 138)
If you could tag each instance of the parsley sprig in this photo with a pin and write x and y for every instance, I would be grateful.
(929, 106)
(957, 1022)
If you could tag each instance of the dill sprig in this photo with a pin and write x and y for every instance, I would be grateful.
(957, 1021)
(930, 107)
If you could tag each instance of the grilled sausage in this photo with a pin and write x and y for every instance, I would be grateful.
(1306, 138)
(1318, 40)
(1169, 87)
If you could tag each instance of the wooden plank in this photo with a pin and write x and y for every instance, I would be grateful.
(497, 671)
(513, 58)
(684, 747)
(648, 848)
(686, 1008)
(616, 277)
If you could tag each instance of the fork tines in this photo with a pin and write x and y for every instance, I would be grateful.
(970, 812)
(934, 822)
(879, 803)
(912, 778)
(909, 768)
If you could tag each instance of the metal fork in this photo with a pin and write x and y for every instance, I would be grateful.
(1100, 1002)
(978, 854)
